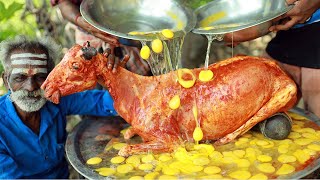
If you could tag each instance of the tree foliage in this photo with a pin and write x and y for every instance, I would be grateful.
(7, 13)
(11, 22)
(28, 17)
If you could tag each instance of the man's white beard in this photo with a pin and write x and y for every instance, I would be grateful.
(27, 101)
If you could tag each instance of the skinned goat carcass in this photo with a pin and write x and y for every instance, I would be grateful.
(243, 92)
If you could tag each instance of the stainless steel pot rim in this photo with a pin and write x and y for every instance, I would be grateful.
(151, 35)
(217, 31)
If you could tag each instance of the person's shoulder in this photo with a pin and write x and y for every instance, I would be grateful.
(3, 99)
(3, 108)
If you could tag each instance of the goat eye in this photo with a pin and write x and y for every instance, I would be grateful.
(75, 65)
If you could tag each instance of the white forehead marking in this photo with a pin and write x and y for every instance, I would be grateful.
(29, 62)
(28, 55)
(26, 70)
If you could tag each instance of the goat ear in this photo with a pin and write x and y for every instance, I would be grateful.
(89, 52)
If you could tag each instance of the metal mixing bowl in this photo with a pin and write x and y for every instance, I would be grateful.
(226, 16)
(119, 17)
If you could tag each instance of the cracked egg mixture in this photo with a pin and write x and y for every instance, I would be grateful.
(251, 156)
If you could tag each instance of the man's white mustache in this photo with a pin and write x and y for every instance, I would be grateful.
(25, 99)
(25, 93)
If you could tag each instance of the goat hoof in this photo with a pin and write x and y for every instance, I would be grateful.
(276, 127)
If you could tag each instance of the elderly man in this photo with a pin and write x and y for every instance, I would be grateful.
(32, 129)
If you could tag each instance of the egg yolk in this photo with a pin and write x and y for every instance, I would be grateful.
(174, 103)
(145, 52)
(186, 83)
(205, 75)
(197, 134)
(157, 46)
(167, 33)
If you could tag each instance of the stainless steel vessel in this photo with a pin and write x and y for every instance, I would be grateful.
(239, 20)
(120, 17)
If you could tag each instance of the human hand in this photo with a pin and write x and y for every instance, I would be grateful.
(113, 62)
(112, 40)
(300, 13)
(71, 12)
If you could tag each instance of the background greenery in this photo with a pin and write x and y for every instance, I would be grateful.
(11, 20)
(35, 18)
(14, 20)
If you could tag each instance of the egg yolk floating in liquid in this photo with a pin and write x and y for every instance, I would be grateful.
(250, 156)
(94, 160)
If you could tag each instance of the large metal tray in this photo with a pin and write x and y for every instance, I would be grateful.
(81, 143)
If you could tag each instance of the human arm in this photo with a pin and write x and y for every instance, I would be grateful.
(8, 167)
(91, 102)
(71, 12)
(300, 13)
(247, 34)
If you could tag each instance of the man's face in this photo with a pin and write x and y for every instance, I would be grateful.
(29, 71)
